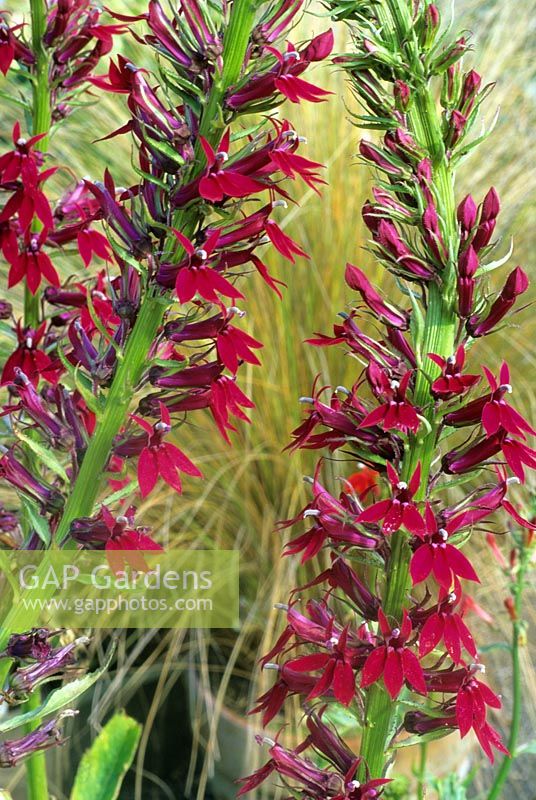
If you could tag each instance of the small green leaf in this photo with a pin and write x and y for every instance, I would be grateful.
(60, 698)
(118, 495)
(440, 733)
(105, 764)
(529, 748)
(37, 522)
(167, 150)
(46, 456)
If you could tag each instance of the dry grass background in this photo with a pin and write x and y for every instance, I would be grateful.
(253, 484)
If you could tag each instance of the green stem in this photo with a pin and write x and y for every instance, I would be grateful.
(518, 639)
(36, 773)
(41, 120)
(439, 337)
(421, 774)
(131, 366)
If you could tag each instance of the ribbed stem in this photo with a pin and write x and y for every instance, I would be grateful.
(36, 771)
(131, 367)
(41, 120)
(439, 337)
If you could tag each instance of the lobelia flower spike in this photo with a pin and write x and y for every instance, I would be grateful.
(392, 618)
(151, 324)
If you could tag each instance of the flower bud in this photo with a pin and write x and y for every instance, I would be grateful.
(516, 284)
(402, 95)
(467, 214)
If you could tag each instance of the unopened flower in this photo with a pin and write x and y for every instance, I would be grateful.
(34, 645)
(13, 751)
(516, 284)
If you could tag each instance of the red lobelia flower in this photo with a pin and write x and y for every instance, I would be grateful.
(395, 412)
(337, 671)
(452, 382)
(126, 543)
(92, 243)
(21, 162)
(496, 413)
(399, 510)
(159, 458)
(196, 276)
(434, 554)
(220, 181)
(394, 660)
(29, 358)
(33, 264)
(446, 624)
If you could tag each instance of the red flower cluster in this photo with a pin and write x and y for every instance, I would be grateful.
(393, 421)
(61, 371)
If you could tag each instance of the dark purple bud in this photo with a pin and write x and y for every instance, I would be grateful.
(326, 739)
(12, 751)
(469, 414)
(31, 645)
(431, 21)
(24, 680)
(467, 267)
(9, 522)
(342, 576)
(402, 145)
(468, 263)
(458, 462)
(488, 220)
(516, 284)
(402, 94)
(389, 238)
(57, 296)
(424, 177)
(191, 377)
(6, 309)
(451, 54)
(400, 343)
(432, 233)
(356, 279)
(467, 214)
(373, 154)
(457, 125)
(420, 723)
(466, 291)
(471, 85)
(490, 206)
(134, 238)
(33, 404)
(18, 476)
